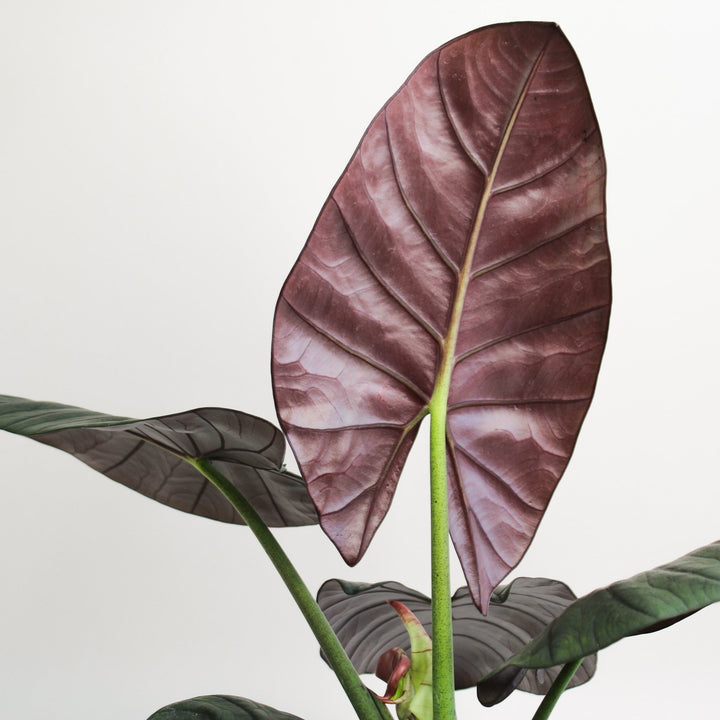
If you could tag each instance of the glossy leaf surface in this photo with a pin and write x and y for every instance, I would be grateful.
(367, 626)
(148, 456)
(220, 707)
(467, 231)
(647, 602)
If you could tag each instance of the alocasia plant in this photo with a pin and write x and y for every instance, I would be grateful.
(459, 269)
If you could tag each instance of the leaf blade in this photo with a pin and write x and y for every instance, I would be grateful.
(148, 456)
(647, 602)
(465, 235)
(220, 707)
(367, 627)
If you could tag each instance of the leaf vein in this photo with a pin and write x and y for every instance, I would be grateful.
(499, 479)
(539, 246)
(125, 458)
(414, 314)
(356, 354)
(547, 171)
(438, 250)
(526, 331)
(453, 127)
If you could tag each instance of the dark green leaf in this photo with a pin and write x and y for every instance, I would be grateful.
(149, 456)
(367, 626)
(220, 707)
(646, 602)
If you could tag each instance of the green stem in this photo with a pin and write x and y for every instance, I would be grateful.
(442, 654)
(556, 690)
(360, 697)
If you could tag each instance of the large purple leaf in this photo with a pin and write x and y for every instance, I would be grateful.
(149, 455)
(367, 627)
(468, 228)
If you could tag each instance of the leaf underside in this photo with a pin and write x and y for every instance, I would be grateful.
(647, 602)
(149, 455)
(367, 626)
(220, 707)
(469, 229)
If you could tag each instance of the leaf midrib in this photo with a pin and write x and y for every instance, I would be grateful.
(449, 343)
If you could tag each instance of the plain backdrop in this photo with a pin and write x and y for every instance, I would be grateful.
(161, 164)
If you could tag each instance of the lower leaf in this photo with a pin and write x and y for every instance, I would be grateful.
(367, 627)
(647, 602)
(220, 707)
(148, 456)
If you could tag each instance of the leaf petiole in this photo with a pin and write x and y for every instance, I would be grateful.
(557, 689)
(442, 654)
(362, 700)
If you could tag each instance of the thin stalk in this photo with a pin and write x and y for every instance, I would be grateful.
(443, 676)
(556, 690)
(360, 697)
(442, 654)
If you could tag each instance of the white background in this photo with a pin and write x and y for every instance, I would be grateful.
(161, 164)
